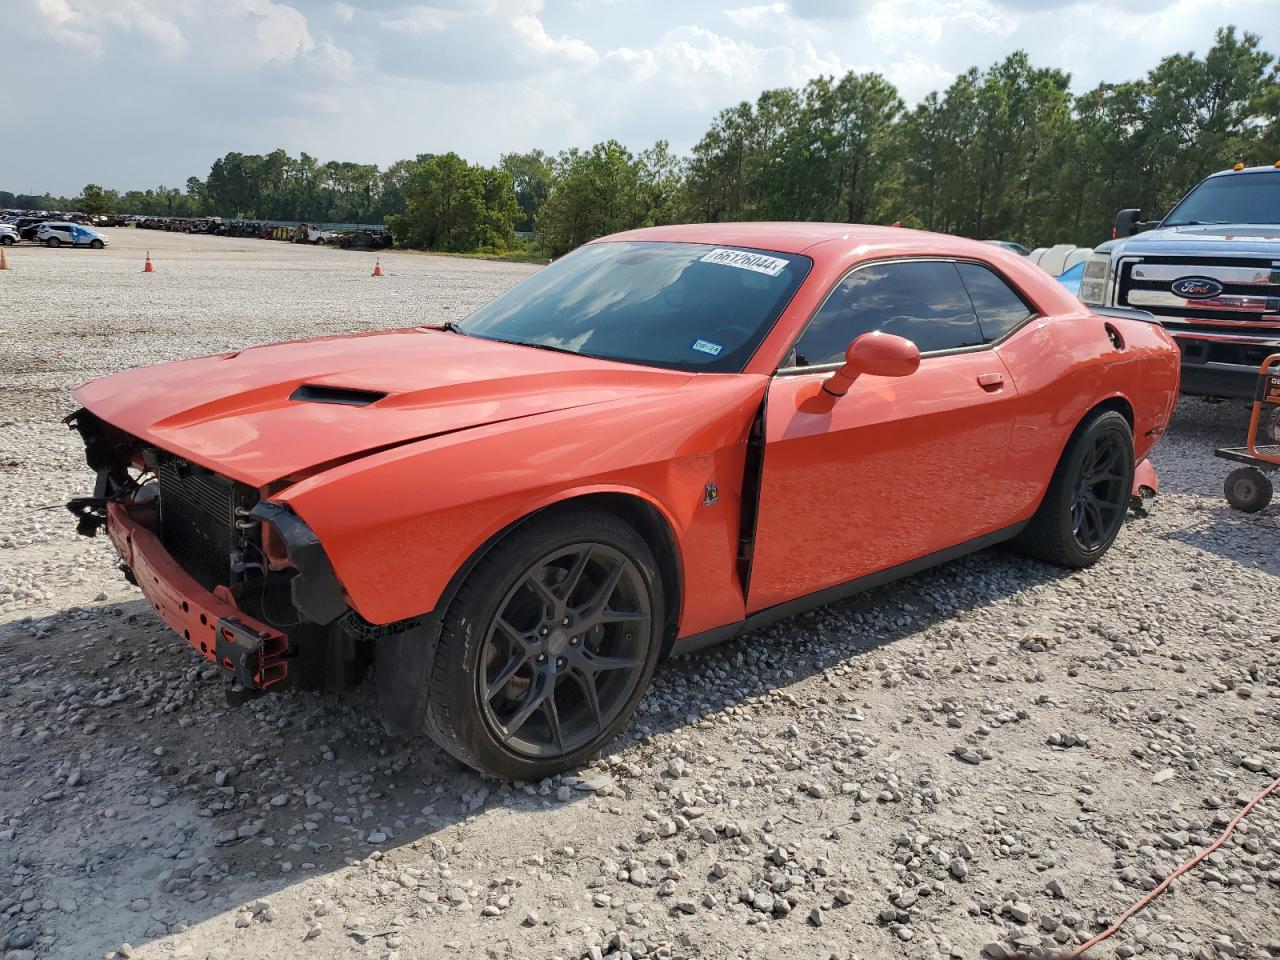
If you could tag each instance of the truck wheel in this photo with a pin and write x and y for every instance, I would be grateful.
(1248, 489)
(548, 646)
(1085, 504)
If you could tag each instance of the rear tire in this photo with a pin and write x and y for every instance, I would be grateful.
(546, 649)
(1084, 507)
(53, 242)
(1248, 489)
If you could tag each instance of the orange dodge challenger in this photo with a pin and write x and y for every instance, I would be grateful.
(665, 438)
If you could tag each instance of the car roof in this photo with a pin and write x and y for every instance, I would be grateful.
(794, 238)
(1255, 170)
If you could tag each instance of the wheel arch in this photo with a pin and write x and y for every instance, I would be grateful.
(650, 519)
(1117, 402)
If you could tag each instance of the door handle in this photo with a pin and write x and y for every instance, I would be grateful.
(990, 381)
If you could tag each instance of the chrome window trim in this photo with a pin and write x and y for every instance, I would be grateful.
(1036, 313)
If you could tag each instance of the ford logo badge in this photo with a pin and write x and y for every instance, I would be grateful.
(1196, 288)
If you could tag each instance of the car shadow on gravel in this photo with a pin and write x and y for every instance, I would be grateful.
(1249, 539)
(130, 788)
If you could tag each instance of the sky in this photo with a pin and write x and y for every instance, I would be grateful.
(136, 93)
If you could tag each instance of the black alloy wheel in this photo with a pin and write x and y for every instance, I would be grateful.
(1101, 492)
(565, 650)
(1084, 506)
(543, 653)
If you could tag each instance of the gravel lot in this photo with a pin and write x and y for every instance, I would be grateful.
(989, 757)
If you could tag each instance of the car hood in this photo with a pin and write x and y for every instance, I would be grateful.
(285, 410)
(1222, 239)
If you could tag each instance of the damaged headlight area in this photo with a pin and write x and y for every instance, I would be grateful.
(241, 578)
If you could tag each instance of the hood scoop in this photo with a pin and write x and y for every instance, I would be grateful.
(346, 396)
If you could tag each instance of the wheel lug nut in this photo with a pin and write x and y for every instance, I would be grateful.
(560, 661)
(564, 622)
(542, 658)
(543, 631)
(574, 641)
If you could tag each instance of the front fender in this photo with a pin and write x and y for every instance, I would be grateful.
(398, 525)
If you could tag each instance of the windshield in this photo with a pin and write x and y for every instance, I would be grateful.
(1238, 198)
(683, 306)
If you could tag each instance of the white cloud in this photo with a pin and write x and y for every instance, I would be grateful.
(762, 16)
(377, 80)
(85, 25)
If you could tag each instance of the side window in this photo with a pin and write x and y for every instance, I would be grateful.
(921, 300)
(998, 306)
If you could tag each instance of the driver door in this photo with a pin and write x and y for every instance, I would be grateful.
(897, 470)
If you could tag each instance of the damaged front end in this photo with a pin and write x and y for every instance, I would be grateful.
(241, 578)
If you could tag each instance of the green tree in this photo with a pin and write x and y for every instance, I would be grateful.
(531, 175)
(595, 192)
(451, 205)
(96, 201)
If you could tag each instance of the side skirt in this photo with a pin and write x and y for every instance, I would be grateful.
(841, 591)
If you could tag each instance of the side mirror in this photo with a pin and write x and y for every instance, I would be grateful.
(1126, 223)
(878, 354)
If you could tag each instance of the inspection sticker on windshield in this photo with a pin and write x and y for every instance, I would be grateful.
(708, 346)
(756, 262)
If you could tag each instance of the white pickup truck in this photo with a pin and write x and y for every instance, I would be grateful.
(1209, 271)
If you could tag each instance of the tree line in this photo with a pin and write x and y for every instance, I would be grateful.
(1007, 152)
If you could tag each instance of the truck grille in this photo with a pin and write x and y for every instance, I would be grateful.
(197, 521)
(1250, 292)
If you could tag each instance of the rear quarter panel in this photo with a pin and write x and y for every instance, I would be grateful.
(397, 525)
(1063, 367)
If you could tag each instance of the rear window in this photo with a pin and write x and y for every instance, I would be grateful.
(999, 308)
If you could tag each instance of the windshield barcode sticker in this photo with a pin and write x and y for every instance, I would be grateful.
(708, 346)
(755, 262)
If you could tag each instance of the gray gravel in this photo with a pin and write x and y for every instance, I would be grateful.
(991, 757)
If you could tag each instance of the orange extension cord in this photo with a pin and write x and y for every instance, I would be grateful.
(1164, 885)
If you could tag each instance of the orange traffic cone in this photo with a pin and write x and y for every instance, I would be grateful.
(4, 261)
(377, 268)
(147, 267)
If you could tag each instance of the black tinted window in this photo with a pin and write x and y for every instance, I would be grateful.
(999, 309)
(923, 301)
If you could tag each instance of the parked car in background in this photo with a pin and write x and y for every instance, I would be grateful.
(8, 234)
(27, 226)
(664, 439)
(55, 234)
(1210, 271)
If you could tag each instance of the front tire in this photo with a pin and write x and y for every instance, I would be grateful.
(548, 646)
(95, 244)
(1085, 505)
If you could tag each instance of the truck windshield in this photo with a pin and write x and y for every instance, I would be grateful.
(1231, 198)
(683, 306)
